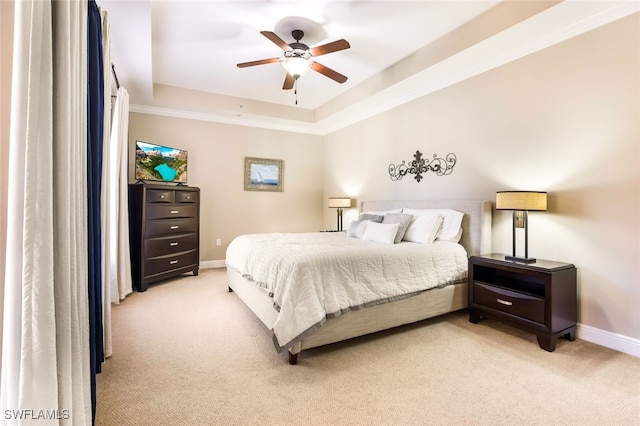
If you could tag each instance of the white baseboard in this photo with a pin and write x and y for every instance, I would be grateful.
(207, 264)
(615, 341)
(610, 340)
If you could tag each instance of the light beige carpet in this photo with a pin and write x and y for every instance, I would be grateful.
(187, 352)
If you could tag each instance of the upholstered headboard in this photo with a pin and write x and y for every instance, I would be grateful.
(476, 223)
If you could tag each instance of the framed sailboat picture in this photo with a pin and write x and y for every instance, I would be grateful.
(263, 174)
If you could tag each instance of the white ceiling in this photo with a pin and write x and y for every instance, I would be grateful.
(196, 45)
(205, 41)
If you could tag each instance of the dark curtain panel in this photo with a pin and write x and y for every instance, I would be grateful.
(95, 123)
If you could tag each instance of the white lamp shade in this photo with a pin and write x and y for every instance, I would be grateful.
(339, 202)
(521, 200)
(296, 66)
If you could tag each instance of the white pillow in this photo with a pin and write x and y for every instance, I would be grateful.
(424, 228)
(356, 230)
(381, 233)
(451, 226)
(383, 212)
(403, 220)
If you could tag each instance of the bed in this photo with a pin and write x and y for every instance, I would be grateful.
(376, 311)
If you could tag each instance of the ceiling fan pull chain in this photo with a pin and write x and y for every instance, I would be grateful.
(295, 90)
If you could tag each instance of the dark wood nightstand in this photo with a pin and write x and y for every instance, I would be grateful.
(538, 297)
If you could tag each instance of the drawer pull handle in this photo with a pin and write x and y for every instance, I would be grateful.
(175, 211)
(173, 244)
(504, 302)
(175, 227)
(162, 196)
(173, 262)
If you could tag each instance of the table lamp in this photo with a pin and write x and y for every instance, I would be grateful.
(521, 202)
(339, 203)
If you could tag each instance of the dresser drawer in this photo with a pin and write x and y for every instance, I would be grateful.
(160, 196)
(167, 211)
(511, 302)
(156, 228)
(168, 245)
(157, 265)
(186, 197)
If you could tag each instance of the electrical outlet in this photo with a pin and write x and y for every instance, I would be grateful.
(218, 242)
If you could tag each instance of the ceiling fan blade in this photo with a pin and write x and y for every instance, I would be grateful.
(288, 82)
(275, 39)
(334, 46)
(260, 62)
(334, 75)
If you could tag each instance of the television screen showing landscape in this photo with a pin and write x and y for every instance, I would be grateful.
(160, 163)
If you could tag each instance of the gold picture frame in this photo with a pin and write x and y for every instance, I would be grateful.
(263, 174)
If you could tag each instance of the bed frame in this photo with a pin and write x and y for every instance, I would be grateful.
(476, 239)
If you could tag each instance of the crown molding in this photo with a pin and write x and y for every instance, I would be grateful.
(223, 117)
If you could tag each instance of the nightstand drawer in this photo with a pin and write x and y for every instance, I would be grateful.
(511, 302)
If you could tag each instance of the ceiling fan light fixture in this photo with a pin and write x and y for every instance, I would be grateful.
(296, 66)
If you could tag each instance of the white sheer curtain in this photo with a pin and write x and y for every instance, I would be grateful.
(105, 201)
(45, 362)
(116, 264)
(120, 261)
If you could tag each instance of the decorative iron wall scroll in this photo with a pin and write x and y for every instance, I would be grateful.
(440, 166)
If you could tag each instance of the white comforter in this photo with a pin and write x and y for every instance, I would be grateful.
(316, 276)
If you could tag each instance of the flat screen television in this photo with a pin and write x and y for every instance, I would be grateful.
(159, 163)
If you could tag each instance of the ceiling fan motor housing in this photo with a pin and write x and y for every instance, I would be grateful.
(297, 34)
(298, 46)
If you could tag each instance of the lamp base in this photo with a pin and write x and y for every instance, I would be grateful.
(521, 259)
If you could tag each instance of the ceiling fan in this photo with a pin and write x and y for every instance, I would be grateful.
(298, 56)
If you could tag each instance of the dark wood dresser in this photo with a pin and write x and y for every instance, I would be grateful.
(164, 232)
(539, 297)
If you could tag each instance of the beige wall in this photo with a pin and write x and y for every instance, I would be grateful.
(216, 165)
(565, 120)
